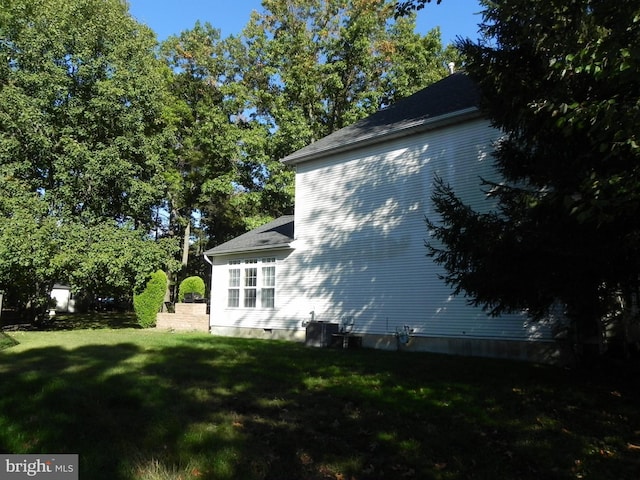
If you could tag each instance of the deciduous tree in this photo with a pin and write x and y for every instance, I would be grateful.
(321, 65)
(298, 71)
(81, 137)
(404, 7)
(204, 118)
(309, 67)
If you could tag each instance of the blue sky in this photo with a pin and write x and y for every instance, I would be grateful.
(169, 17)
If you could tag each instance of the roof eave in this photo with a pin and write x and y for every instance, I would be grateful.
(262, 248)
(423, 125)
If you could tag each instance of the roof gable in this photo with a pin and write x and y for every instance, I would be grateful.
(275, 234)
(451, 98)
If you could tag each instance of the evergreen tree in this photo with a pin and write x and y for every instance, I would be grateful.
(561, 80)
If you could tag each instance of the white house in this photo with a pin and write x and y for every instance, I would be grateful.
(355, 248)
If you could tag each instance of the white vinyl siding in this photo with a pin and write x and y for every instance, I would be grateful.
(360, 218)
(360, 242)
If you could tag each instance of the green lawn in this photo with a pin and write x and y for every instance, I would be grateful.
(141, 404)
(6, 341)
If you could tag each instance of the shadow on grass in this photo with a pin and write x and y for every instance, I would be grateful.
(78, 321)
(195, 406)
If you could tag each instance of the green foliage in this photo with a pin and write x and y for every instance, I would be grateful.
(31, 251)
(81, 143)
(202, 168)
(102, 133)
(299, 71)
(79, 107)
(562, 80)
(317, 66)
(191, 285)
(118, 258)
(405, 7)
(148, 302)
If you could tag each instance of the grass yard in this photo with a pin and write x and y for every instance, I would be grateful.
(143, 404)
(6, 341)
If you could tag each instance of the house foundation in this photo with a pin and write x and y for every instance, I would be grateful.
(550, 353)
(294, 335)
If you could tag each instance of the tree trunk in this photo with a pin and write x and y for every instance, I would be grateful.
(185, 243)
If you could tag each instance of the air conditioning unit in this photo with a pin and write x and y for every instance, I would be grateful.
(320, 334)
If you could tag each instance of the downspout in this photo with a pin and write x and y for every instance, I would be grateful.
(206, 259)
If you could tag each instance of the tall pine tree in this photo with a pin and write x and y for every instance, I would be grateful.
(562, 81)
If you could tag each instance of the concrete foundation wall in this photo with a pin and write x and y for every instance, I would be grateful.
(264, 333)
(537, 352)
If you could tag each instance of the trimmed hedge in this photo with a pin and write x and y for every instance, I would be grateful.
(148, 303)
(191, 285)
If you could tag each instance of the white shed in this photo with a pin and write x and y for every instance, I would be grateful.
(63, 297)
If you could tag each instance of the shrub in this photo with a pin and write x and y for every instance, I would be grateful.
(148, 303)
(191, 285)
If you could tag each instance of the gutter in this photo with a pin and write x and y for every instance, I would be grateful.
(372, 139)
(282, 246)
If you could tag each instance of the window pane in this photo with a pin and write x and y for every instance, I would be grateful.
(250, 297)
(233, 297)
(234, 277)
(250, 277)
(268, 276)
(268, 297)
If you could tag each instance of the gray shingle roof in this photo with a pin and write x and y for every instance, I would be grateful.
(451, 98)
(275, 234)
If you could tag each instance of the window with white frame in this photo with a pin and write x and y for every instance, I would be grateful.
(268, 291)
(233, 293)
(252, 283)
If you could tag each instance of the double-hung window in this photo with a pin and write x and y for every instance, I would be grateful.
(233, 293)
(252, 283)
(268, 291)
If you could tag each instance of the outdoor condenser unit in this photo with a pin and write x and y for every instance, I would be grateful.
(319, 334)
